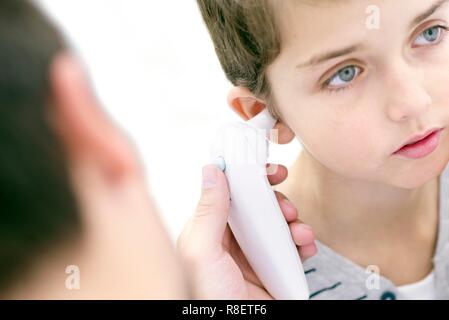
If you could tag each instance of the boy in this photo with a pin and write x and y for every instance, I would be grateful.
(358, 83)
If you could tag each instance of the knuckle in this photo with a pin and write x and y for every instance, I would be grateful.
(202, 209)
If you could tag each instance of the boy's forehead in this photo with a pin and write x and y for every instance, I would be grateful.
(299, 18)
(308, 26)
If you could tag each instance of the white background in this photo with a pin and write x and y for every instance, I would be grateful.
(155, 71)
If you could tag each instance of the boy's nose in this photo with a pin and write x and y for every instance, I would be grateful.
(406, 95)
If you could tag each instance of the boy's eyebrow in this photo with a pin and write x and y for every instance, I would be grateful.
(428, 13)
(330, 55)
(341, 52)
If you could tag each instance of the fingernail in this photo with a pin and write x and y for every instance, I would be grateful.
(272, 169)
(288, 203)
(209, 176)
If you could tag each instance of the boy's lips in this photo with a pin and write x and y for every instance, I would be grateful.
(417, 137)
(418, 140)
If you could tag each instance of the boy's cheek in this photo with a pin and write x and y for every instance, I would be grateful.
(439, 88)
(347, 150)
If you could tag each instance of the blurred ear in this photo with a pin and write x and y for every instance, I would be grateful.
(86, 131)
(246, 105)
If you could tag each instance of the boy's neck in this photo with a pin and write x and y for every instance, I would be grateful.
(347, 214)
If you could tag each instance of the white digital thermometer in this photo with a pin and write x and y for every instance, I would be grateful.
(256, 220)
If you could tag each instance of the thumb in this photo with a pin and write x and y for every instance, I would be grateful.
(209, 221)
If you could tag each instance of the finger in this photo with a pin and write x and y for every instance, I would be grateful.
(306, 252)
(302, 234)
(304, 238)
(281, 133)
(276, 173)
(206, 228)
(288, 209)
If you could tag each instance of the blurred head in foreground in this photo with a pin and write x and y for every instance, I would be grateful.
(76, 220)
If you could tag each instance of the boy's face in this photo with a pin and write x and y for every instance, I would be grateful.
(353, 111)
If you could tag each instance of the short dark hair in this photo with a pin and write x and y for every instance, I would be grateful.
(37, 205)
(247, 40)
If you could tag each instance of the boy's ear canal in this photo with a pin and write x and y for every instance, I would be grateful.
(246, 105)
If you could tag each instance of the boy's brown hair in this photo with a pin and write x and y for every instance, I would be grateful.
(246, 41)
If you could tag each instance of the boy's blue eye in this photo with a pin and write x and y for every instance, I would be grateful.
(343, 76)
(430, 36)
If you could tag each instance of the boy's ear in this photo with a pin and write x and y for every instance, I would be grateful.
(84, 128)
(246, 105)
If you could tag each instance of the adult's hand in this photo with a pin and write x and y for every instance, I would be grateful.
(213, 256)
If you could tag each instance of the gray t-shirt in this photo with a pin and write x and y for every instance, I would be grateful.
(332, 276)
